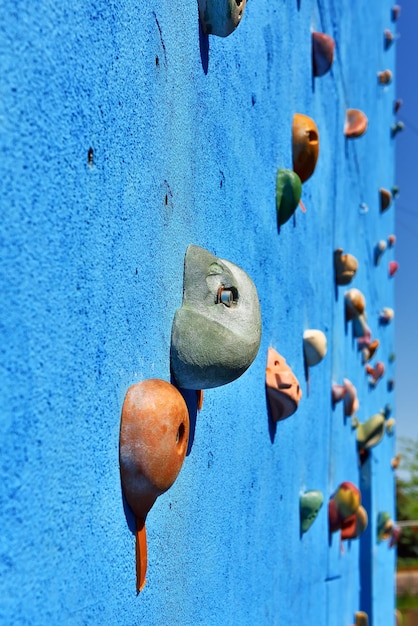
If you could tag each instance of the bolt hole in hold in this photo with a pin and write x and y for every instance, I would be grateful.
(312, 136)
(226, 296)
(157, 61)
(180, 434)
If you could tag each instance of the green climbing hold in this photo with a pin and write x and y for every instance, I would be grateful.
(310, 502)
(288, 193)
(369, 433)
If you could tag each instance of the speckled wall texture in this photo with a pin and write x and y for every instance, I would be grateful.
(126, 135)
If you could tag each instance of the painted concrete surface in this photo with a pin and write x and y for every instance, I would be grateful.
(126, 136)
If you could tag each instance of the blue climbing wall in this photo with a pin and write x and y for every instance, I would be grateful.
(127, 135)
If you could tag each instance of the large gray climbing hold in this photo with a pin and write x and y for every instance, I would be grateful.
(216, 334)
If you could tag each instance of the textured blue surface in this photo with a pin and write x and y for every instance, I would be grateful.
(186, 134)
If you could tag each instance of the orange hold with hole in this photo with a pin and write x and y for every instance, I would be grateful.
(305, 146)
(154, 434)
(283, 389)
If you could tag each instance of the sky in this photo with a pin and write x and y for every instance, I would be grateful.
(406, 216)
